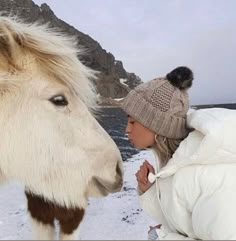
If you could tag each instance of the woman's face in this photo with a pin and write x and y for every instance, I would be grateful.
(139, 136)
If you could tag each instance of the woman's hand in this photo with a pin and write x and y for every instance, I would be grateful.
(142, 176)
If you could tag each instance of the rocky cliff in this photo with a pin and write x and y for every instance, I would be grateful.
(113, 82)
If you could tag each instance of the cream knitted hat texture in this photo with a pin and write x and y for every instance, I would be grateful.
(162, 104)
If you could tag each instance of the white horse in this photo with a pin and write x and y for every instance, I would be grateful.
(50, 140)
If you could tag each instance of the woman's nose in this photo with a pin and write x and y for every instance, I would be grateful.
(127, 129)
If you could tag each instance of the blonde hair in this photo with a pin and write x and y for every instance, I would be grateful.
(165, 148)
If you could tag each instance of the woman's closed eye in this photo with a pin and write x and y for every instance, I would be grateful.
(131, 120)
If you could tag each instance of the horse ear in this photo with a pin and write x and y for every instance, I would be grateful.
(9, 45)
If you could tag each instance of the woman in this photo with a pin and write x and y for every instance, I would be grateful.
(193, 192)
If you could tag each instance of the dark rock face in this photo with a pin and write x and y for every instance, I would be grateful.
(111, 70)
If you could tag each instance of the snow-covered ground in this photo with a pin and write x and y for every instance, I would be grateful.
(115, 217)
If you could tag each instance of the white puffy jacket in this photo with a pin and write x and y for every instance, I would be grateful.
(194, 195)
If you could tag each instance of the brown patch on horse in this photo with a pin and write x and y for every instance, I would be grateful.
(46, 211)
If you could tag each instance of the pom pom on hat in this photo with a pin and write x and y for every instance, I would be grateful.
(181, 77)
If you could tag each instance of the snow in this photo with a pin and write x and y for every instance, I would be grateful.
(119, 99)
(122, 81)
(115, 217)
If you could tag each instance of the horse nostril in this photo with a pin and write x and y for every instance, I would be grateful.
(119, 177)
(118, 170)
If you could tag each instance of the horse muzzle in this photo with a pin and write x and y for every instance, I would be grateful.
(104, 187)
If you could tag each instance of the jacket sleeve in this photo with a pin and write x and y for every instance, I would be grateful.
(214, 216)
(150, 203)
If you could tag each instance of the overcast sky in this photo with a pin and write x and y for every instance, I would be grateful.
(151, 37)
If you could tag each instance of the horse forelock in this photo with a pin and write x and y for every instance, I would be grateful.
(53, 52)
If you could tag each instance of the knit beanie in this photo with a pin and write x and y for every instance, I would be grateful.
(162, 104)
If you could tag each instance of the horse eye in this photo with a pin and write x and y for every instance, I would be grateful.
(59, 100)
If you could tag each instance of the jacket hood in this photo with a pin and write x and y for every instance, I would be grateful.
(212, 142)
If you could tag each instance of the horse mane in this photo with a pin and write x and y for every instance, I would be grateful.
(55, 53)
